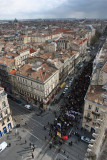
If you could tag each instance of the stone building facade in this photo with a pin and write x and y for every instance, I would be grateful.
(6, 123)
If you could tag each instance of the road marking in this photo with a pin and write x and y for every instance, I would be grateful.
(60, 155)
(70, 131)
(29, 117)
(33, 135)
(56, 156)
(63, 155)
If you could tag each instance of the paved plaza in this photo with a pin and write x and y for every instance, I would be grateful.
(33, 132)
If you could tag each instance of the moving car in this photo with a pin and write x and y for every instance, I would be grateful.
(3, 145)
(85, 139)
(28, 106)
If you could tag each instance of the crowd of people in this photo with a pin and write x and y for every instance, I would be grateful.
(72, 108)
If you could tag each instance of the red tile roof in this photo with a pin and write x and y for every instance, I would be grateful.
(13, 72)
(32, 50)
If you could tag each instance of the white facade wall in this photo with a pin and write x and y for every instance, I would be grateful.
(19, 60)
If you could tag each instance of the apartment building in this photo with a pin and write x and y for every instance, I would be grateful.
(23, 54)
(63, 43)
(36, 82)
(7, 63)
(40, 38)
(64, 61)
(96, 97)
(51, 47)
(98, 144)
(6, 122)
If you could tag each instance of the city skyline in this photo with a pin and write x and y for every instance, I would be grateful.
(26, 9)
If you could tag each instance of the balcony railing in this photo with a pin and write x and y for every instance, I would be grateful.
(96, 113)
(88, 118)
(2, 118)
(3, 94)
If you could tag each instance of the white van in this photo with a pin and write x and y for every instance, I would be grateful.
(3, 145)
(28, 106)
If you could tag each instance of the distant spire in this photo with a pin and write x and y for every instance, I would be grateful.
(15, 20)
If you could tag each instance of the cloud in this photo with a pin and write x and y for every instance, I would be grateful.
(9, 9)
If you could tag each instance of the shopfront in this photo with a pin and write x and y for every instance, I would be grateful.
(0, 134)
(9, 126)
(4, 130)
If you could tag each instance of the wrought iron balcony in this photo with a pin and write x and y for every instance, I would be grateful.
(96, 113)
(88, 118)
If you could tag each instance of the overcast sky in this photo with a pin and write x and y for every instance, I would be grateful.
(28, 9)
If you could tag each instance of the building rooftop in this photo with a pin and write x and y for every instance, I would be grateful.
(104, 69)
(6, 60)
(42, 73)
(1, 89)
(96, 94)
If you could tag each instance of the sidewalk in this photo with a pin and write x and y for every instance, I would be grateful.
(20, 147)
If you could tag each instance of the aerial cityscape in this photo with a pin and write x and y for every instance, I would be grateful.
(53, 80)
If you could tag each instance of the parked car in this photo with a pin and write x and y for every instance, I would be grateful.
(64, 92)
(85, 139)
(66, 86)
(71, 80)
(3, 145)
(28, 106)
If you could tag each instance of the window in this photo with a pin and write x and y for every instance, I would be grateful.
(8, 119)
(95, 117)
(0, 115)
(88, 115)
(89, 107)
(3, 104)
(3, 123)
(96, 110)
(5, 112)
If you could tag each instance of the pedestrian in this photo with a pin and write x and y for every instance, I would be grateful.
(45, 138)
(9, 144)
(64, 152)
(32, 155)
(44, 128)
(33, 149)
(20, 138)
(30, 145)
(59, 150)
(25, 141)
(50, 146)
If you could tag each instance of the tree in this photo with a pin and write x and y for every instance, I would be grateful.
(95, 38)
